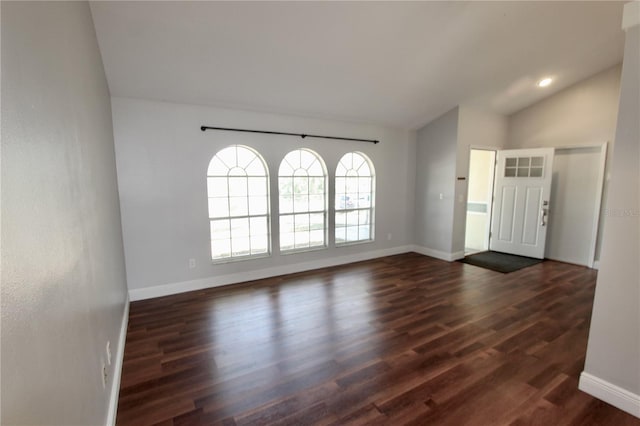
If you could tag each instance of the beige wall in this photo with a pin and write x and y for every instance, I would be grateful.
(479, 190)
(63, 277)
(480, 175)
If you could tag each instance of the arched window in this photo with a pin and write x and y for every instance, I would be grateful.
(355, 190)
(302, 181)
(238, 189)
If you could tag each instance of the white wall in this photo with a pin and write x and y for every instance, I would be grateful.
(162, 159)
(435, 187)
(612, 367)
(574, 194)
(443, 149)
(582, 114)
(63, 278)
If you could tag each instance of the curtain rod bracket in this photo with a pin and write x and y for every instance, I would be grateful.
(302, 135)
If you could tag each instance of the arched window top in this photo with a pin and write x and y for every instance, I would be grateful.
(238, 193)
(355, 164)
(302, 183)
(302, 162)
(237, 160)
(355, 199)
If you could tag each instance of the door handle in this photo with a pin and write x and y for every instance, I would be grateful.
(543, 221)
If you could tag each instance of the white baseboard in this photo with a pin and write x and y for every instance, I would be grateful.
(117, 368)
(457, 255)
(596, 264)
(217, 281)
(449, 257)
(610, 393)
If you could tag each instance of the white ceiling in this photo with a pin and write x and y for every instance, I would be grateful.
(393, 63)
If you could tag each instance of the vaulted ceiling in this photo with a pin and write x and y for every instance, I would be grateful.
(393, 63)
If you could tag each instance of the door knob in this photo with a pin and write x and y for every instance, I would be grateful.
(545, 212)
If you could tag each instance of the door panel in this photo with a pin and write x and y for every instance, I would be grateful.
(530, 227)
(522, 191)
(506, 211)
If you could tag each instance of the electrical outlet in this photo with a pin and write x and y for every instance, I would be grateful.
(108, 351)
(192, 263)
(105, 375)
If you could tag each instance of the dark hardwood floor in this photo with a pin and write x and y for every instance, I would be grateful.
(404, 339)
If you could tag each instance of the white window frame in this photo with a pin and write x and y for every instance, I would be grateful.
(344, 204)
(215, 217)
(298, 171)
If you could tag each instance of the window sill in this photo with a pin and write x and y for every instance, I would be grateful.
(355, 243)
(303, 250)
(239, 259)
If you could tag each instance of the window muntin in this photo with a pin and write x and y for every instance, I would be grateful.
(238, 192)
(354, 203)
(524, 167)
(302, 183)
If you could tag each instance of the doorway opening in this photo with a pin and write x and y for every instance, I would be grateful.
(479, 199)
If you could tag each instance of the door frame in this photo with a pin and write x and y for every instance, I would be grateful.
(487, 236)
(526, 227)
(595, 227)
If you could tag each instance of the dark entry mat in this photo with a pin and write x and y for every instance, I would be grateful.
(500, 262)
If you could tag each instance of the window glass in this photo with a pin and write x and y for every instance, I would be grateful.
(302, 181)
(238, 192)
(524, 167)
(354, 203)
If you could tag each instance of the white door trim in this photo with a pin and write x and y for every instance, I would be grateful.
(592, 263)
(487, 235)
(598, 205)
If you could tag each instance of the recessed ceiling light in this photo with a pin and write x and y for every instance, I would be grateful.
(545, 82)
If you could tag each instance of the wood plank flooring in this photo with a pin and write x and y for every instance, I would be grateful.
(405, 339)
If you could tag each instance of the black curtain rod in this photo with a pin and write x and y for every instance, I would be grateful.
(302, 135)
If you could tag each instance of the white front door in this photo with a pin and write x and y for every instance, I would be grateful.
(521, 201)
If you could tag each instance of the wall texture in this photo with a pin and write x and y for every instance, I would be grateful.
(63, 275)
(436, 185)
(613, 352)
(162, 159)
